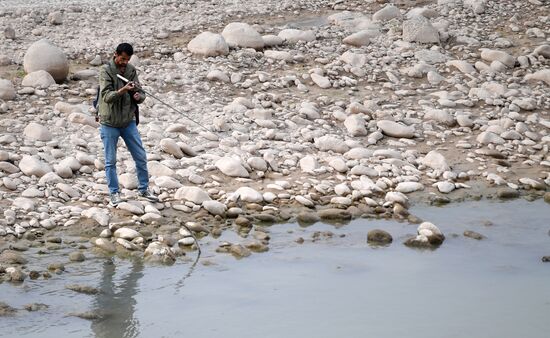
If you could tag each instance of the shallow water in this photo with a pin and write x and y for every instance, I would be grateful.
(334, 287)
(307, 22)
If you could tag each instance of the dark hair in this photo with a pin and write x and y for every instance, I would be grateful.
(125, 48)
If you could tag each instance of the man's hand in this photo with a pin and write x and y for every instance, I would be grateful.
(136, 96)
(130, 86)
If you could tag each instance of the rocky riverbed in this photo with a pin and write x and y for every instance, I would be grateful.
(306, 110)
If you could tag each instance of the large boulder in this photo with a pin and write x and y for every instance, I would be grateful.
(171, 147)
(397, 197)
(208, 44)
(37, 132)
(7, 91)
(214, 207)
(329, 142)
(429, 236)
(240, 34)
(408, 187)
(126, 233)
(63, 169)
(498, 55)
(419, 29)
(42, 55)
(38, 79)
(488, 137)
(193, 194)
(33, 166)
(257, 163)
(436, 161)
(247, 194)
(231, 167)
(321, 81)
(358, 153)
(395, 129)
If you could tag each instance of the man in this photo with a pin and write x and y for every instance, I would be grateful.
(117, 111)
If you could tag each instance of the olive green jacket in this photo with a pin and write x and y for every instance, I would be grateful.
(117, 110)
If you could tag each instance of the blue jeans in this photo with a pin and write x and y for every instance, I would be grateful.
(130, 135)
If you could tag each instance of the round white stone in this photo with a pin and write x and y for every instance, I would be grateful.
(42, 55)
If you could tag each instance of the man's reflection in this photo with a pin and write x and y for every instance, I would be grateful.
(117, 302)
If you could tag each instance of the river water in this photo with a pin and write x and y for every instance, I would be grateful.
(334, 287)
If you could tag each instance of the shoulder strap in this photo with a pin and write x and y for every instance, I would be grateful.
(95, 102)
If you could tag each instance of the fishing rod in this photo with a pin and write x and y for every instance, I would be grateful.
(125, 80)
(181, 282)
(196, 240)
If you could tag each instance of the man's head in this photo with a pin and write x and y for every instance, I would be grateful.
(123, 54)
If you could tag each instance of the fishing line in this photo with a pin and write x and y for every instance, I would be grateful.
(125, 80)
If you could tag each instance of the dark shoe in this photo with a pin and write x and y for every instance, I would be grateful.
(148, 195)
(115, 199)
